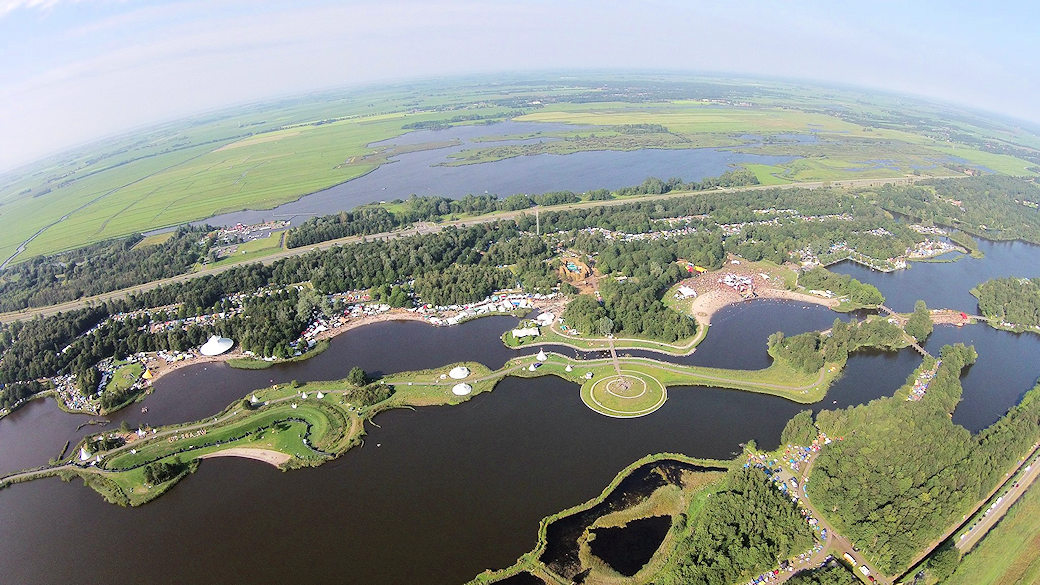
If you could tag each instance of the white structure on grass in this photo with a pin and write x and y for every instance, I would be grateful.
(687, 292)
(541, 355)
(216, 345)
(458, 372)
(461, 389)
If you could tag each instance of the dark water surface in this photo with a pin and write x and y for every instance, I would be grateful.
(438, 494)
(627, 548)
(946, 285)
(420, 172)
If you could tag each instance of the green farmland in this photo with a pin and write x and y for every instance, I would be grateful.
(261, 156)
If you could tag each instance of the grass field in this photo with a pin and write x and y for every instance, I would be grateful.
(263, 155)
(124, 376)
(254, 249)
(1010, 553)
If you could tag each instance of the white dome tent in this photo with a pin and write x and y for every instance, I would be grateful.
(216, 346)
(461, 389)
(458, 372)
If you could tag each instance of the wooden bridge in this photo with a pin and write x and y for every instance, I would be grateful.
(902, 321)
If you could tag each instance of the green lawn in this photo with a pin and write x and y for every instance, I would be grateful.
(254, 249)
(124, 376)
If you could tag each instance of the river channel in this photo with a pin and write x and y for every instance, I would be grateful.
(438, 494)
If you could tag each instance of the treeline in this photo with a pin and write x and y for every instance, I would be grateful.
(1011, 300)
(842, 285)
(11, 393)
(741, 531)
(903, 472)
(807, 352)
(461, 284)
(100, 268)
(991, 206)
(655, 186)
(37, 348)
(374, 219)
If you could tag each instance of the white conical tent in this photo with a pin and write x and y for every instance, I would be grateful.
(216, 345)
(461, 389)
(541, 355)
(458, 372)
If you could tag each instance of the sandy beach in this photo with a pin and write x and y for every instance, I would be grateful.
(266, 455)
(712, 299)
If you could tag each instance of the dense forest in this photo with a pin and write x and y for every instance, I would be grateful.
(271, 320)
(100, 268)
(842, 285)
(1010, 300)
(633, 307)
(990, 206)
(740, 532)
(808, 351)
(882, 493)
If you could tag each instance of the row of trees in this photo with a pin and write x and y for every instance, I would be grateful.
(842, 285)
(374, 219)
(100, 268)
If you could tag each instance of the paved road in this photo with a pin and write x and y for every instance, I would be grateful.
(960, 523)
(1011, 495)
(421, 228)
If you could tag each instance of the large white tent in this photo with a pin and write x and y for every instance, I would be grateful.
(461, 389)
(216, 345)
(458, 372)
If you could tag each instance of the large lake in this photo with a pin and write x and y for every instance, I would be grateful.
(438, 494)
(422, 173)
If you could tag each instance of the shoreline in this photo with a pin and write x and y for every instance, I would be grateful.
(271, 457)
(706, 305)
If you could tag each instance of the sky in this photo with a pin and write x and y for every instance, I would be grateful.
(72, 71)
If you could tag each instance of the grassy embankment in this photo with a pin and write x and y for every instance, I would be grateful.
(320, 429)
(253, 250)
